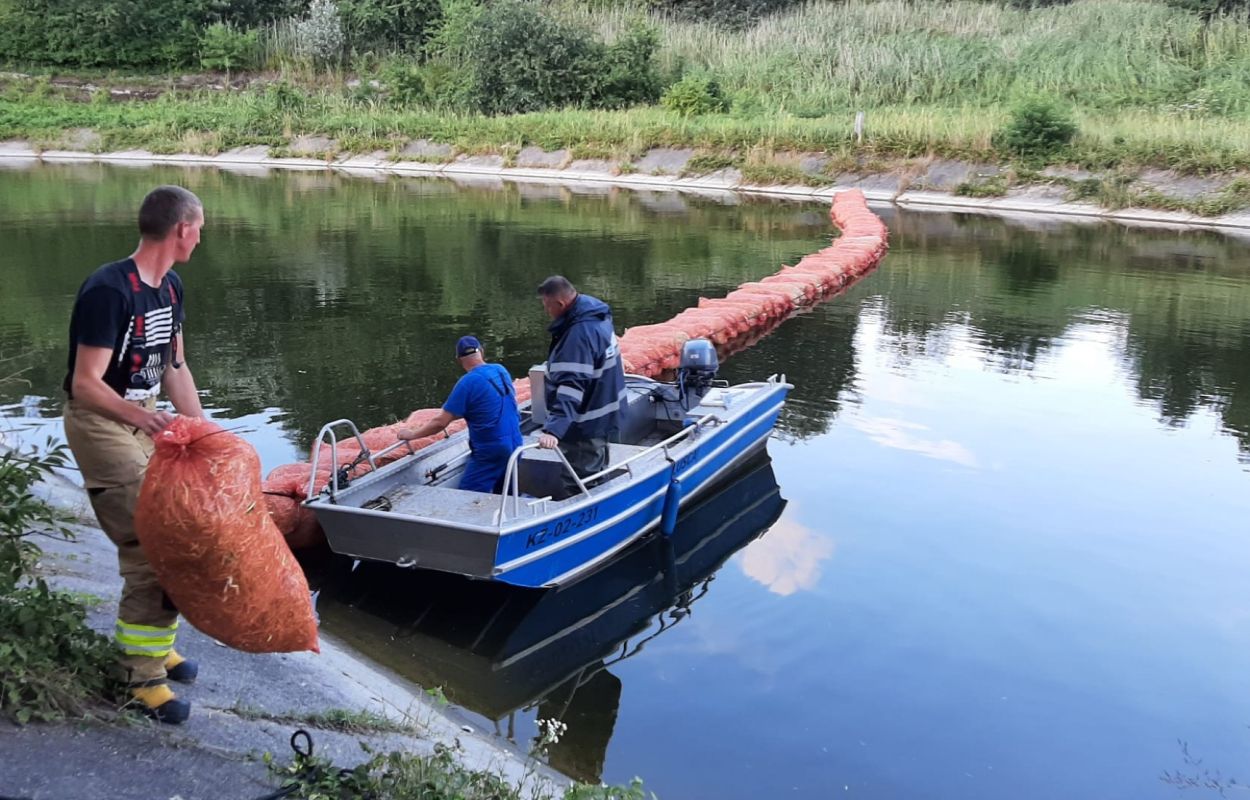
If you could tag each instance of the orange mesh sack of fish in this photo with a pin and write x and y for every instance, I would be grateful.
(203, 522)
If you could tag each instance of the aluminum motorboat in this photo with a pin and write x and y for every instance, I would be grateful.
(676, 440)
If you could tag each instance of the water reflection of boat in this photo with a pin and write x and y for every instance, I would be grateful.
(498, 650)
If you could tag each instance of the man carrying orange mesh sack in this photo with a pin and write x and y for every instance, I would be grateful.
(125, 345)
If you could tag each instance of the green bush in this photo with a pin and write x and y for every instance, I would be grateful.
(251, 13)
(405, 83)
(1037, 127)
(445, 86)
(319, 35)
(121, 33)
(517, 59)
(105, 33)
(389, 25)
(451, 41)
(285, 98)
(694, 95)
(225, 47)
(746, 104)
(1208, 8)
(51, 663)
(21, 512)
(629, 73)
(512, 57)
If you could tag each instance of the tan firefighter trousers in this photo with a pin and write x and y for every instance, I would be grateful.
(113, 458)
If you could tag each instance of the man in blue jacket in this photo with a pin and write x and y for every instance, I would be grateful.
(585, 380)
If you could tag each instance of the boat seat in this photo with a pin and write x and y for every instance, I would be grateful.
(539, 471)
(637, 417)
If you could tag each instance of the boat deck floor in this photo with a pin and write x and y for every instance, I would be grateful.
(444, 502)
(441, 501)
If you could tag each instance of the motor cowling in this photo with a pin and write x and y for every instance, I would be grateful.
(697, 369)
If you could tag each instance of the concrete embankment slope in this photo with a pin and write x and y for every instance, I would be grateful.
(245, 705)
(922, 182)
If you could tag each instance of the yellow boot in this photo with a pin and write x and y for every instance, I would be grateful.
(180, 669)
(160, 703)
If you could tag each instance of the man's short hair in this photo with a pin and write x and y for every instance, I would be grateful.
(556, 286)
(165, 207)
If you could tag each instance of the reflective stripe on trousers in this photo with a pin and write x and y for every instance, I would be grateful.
(145, 640)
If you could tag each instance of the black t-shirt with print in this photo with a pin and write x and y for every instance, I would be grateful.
(117, 310)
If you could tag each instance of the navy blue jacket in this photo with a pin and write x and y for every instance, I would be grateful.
(585, 380)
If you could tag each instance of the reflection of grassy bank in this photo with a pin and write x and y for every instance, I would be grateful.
(1182, 302)
(312, 289)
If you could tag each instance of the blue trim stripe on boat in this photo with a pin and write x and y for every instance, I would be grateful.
(746, 423)
(585, 556)
(579, 553)
(609, 553)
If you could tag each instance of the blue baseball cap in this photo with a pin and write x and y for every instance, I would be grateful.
(467, 345)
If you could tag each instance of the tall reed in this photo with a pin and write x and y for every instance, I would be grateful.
(1104, 54)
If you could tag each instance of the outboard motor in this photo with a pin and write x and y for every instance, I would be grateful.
(696, 371)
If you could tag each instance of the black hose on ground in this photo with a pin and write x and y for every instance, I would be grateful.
(302, 756)
(302, 744)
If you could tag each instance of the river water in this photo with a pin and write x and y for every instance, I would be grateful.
(999, 549)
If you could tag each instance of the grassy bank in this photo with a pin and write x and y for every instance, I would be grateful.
(1148, 86)
(209, 121)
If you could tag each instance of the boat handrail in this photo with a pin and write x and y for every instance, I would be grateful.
(365, 453)
(706, 419)
(664, 445)
(512, 483)
(511, 487)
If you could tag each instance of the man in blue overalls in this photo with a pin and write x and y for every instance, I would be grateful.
(484, 397)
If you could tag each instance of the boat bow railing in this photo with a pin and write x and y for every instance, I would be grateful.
(341, 470)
